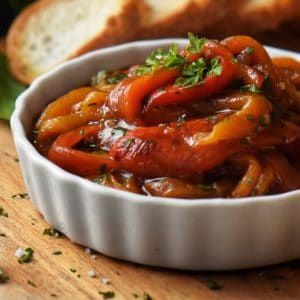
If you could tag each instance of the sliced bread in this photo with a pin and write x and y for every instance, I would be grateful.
(251, 16)
(169, 18)
(49, 32)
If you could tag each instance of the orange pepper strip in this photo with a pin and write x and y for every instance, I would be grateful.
(76, 161)
(259, 56)
(288, 176)
(264, 181)
(212, 84)
(63, 105)
(125, 99)
(252, 107)
(177, 188)
(51, 128)
(249, 180)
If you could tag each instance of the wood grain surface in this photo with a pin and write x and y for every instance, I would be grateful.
(48, 276)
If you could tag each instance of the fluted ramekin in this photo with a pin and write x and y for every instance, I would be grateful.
(206, 234)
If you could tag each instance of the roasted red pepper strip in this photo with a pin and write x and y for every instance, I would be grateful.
(125, 100)
(76, 161)
(212, 84)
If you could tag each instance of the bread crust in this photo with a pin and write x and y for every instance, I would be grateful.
(118, 29)
(243, 21)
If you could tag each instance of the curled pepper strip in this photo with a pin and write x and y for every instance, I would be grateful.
(63, 105)
(250, 178)
(252, 107)
(125, 99)
(168, 151)
(50, 128)
(82, 163)
(211, 85)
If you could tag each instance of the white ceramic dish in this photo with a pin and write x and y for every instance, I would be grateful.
(207, 234)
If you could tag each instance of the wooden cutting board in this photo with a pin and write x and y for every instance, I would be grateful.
(49, 276)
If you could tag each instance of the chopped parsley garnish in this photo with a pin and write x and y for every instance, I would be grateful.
(161, 58)
(57, 253)
(251, 88)
(119, 130)
(196, 44)
(72, 270)
(102, 168)
(128, 142)
(207, 187)
(262, 121)
(27, 256)
(115, 78)
(213, 285)
(2, 234)
(215, 67)
(107, 295)
(31, 283)
(195, 72)
(249, 50)
(249, 181)
(250, 118)
(20, 196)
(3, 213)
(182, 119)
(3, 277)
(52, 232)
(192, 73)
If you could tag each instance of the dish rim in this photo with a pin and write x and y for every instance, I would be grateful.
(20, 136)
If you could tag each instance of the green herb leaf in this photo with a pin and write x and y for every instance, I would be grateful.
(146, 296)
(27, 256)
(215, 67)
(196, 44)
(207, 187)
(3, 213)
(119, 130)
(251, 88)
(52, 232)
(128, 142)
(31, 283)
(72, 270)
(57, 253)
(114, 79)
(20, 196)
(249, 50)
(193, 73)
(250, 118)
(107, 295)
(2, 234)
(161, 58)
(213, 285)
(10, 89)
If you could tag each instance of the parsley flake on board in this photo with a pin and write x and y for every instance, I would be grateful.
(146, 296)
(57, 253)
(3, 277)
(31, 283)
(107, 295)
(27, 256)
(52, 232)
(20, 196)
(3, 213)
